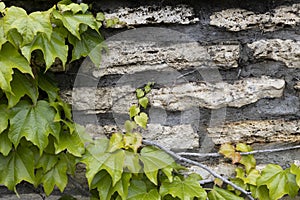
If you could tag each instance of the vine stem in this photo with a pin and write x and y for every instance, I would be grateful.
(241, 153)
(180, 158)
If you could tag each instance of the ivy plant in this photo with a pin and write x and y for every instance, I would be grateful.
(41, 145)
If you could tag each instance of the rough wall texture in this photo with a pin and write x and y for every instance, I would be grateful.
(225, 73)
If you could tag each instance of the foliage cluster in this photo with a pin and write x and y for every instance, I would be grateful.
(40, 144)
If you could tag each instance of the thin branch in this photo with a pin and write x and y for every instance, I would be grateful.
(242, 153)
(182, 159)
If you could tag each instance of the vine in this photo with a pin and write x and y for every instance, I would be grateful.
(40, 144)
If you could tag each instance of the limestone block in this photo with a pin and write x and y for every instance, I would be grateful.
(127, 57)
(239, 19)
(263, 131)
(179, 97)
(214, 96)
(180, 14)
(286, 51)
(172, 137)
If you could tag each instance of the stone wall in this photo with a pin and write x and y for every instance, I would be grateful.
(225, 72)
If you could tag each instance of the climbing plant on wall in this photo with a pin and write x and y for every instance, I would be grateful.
(40, 144)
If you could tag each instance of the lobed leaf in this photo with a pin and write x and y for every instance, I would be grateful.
(5, 144)
(34, 123)
(221, 194)
(17, 166)
(154, 159)
(52, 48)
(4, 117)
(278, 181)
(186, 189)
(9, 59)
(27, 25)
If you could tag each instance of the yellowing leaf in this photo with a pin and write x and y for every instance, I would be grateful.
(154, 159)
(141, 120)
(22, 85)
(243, 147)
(133, 141)
(221, 194)
(27, 25)
(3, 117)
(34, 123)
(186, 189)
(2, 6)
(278, 181)
(229, 152)
(9, 59)
(52, 48)
(249, 162)
(16, 167)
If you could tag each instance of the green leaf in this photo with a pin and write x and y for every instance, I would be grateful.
(83, 47)
(186, 189)
(129, 126)
(57, 176)
(122, 186)
(144, 102)
(34, 123)
(22, 85)
(102, 181)
(132, 162)
(73, 21)
(260, 192)
(154, 159)
(5, 144)
(139, 93)
(278, 181)
(151, 195)
(47, 162)
(296, 170)
(250, 178)
(46, 83)
(16, 167)
(115, 142)
(221, 194)
(97, 158)
(3, 117)
(15, 38)
(136, 188)
(70, 142)
(9, 59)
(133, 111)
(243, 147)
(249, 162)
(100, 16)
(147, 88)
(27, 25)
(52, 48)
(141, 120)
(2, 35)
(74, 7)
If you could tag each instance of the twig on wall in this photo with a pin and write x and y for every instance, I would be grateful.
(241, 153)
(182, 159)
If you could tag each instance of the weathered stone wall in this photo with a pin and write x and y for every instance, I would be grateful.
(226, 72)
